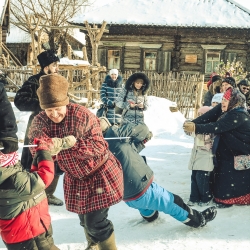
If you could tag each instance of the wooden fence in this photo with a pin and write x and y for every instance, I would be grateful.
(184, 89)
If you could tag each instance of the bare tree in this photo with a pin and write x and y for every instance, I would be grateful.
(51, 14)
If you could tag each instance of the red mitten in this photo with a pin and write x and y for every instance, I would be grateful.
(43, 143)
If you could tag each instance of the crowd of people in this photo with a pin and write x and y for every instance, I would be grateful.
(99, 173)
(225, 133)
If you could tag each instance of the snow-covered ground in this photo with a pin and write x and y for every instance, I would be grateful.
(168, 155)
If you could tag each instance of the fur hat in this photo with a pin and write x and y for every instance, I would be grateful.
(47, 57)
(105, 124)
(114, 71)
(53, 91)
(138, 75)
(217, 98)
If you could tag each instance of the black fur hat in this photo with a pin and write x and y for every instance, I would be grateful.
(129, 85)
(47, 57)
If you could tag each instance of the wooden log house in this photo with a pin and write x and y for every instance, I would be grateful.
(193, 36)
(4, 22)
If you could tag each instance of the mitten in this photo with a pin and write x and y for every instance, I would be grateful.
(189, 126)
(173, 109)
(148, 137)
(62, 144)
(9, 145)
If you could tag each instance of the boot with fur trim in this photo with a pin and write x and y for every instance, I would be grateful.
(91, 244)
(108, 244)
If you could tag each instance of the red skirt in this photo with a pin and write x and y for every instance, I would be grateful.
(242, 200)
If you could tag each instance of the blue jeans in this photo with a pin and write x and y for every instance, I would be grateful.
(158, 198)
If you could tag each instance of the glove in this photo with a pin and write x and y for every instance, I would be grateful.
(173, 109)
(62, 144)
(9, 145)
(189, 126)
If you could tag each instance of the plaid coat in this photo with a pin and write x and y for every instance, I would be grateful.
(105, 187)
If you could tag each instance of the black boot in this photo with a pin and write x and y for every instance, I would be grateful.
(152, 217)
(195, 219)
(209, 213)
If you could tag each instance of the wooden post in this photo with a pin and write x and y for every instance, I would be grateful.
(85, 56)
(1, 40)
(199, 96)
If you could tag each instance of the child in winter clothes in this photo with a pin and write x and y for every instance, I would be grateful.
(140, 191)
(25, 222)
(201, 164)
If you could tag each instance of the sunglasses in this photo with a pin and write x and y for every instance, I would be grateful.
(245, 88)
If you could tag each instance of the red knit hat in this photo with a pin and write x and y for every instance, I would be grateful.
(8, 159)
(228, 93)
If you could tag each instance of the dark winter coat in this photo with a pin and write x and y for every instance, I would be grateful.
(133, 115)
(26, 99)
(23, 203)
(233, 130)
(83, 192)
(109, 91)
(137, 174)
(8, 126)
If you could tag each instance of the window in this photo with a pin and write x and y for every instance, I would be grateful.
(212, 61)
(150, 60)
(114, 59)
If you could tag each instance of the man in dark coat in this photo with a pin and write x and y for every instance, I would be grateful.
(140, 191)
(8, 126)
(26, 99)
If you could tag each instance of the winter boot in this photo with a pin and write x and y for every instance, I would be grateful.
(108, 244)
(91, 244)
(152, 217)
(209, 213)
(195, 219)
(52, 200)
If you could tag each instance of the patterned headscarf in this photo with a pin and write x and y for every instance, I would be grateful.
(237, 99)
(8, 159)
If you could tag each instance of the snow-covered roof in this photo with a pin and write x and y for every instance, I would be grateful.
(3, 5)
(177, 13)
(67, 61)
(16, 35)
(79, 36)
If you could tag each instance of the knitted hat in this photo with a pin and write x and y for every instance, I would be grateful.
(8, 159)
(105, 124)
(244, 82)
(217, 98)
(228, 93)
(113, 71)
(203, 109)
(230, 80)
(47, 57)
(53, 91)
